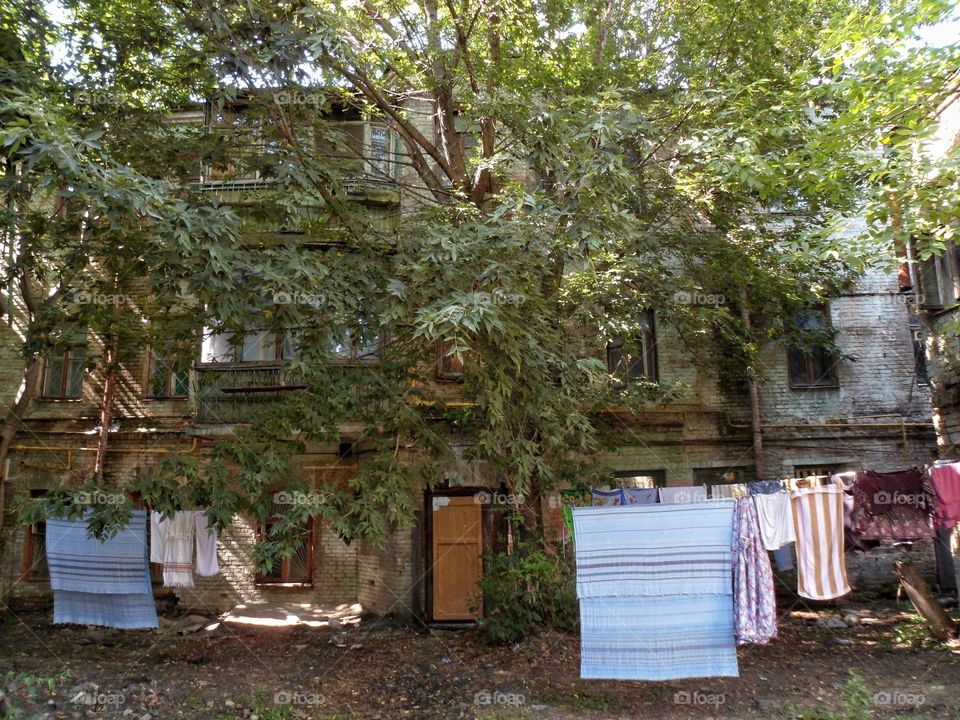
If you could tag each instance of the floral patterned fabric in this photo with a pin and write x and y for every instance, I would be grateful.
(754, 603)
(606, 498)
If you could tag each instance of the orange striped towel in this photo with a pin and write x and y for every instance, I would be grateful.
(821, 567)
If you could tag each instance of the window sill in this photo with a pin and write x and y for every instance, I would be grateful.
(284, 585)
(815, 387)
(58, 398)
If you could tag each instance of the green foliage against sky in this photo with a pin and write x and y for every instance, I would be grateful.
(619, 156)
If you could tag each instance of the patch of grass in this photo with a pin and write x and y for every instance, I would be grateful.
(857, 704)
(33, 683)
(507, 714)
(913, 633)
(579, 701)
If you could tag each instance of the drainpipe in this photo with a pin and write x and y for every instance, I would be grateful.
(755, 419)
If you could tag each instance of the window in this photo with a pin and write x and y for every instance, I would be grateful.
(298, 568)
(63, 373)
(449, 367)
(33, 562)
(802, 471)
(642, 478)
(165, 380)
(359, 344)
(939, 278)
(921, 373)
(634, 357)
(255, 346)
(812, 364)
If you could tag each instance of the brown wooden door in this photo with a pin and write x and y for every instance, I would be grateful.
(457, 557)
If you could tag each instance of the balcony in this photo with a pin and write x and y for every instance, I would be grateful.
(230, 392)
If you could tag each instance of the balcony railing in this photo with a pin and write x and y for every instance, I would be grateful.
(228, 393)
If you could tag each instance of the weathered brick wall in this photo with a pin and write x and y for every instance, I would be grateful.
(943, 346)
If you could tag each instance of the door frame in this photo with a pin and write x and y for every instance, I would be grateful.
(428, 497)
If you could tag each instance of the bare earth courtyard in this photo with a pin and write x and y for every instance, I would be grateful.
(880, 665)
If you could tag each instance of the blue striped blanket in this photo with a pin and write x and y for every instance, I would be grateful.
(657, 638)
(120, 610)
(655, 584)
(643, 550)
(100, 583)
(80, 563)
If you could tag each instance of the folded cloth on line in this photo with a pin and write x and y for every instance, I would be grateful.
(754, 603)
(764, 487)
(207, 564)
(657, 638)
(946, 486)
(80, 563)
(821, 568)
(158, 534)
(640, 496)
(178, 550)
(654, 549)
(776, 519)
(601, 498)
(122, 610)
(689, 494)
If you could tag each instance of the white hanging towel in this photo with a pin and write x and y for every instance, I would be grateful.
(688, 494)
(207, 564)
(776, 519)
(158, 536)
(178, 553)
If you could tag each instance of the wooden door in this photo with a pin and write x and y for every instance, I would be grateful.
(457, 557)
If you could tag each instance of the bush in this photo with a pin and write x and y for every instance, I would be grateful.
(531, 588)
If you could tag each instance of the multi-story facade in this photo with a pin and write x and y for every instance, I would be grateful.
(818, 414)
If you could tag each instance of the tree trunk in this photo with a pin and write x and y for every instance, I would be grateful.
(8, 431)
(941, 625)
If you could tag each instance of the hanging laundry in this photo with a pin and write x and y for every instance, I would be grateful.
(783, 557)
(733, 490)
(765, 487)
(754, 603)
(606, 498)
(776, 519)
(178, 550)
(655, 590)
(158, 534)
(890, 506)
(688, 494)
(946, 487)
(946, 568)
(100, 583)
(207, 563)
(818, 518)
(640, 496)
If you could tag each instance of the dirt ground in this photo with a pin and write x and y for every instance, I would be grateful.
(389, 670)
